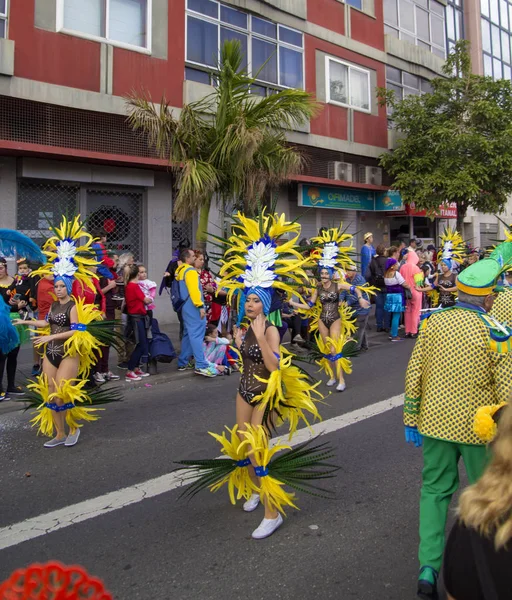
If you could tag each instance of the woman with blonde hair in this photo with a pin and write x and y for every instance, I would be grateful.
(478, 555)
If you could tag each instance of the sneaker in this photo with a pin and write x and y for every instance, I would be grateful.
(111, 376)
(36, 370)
(331, 382)
(15, 391)
(341, 387)
(98, 378)
(252, 503)
(396, 339)
(140, 373)
(208, 372)
(130, 376)
(298, 338)
(55, 442)
(72, 438)
(4, 396)
(427, 584)
(189, 365)
(267, 527)
(123, 366)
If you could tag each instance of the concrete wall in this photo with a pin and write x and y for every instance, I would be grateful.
(8, 197)
(159, 240)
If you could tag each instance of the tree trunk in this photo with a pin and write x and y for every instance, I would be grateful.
(202, 227)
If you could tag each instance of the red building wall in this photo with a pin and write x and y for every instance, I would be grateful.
(332, 121)
(366, 29)
(327, 13)
(54, 58)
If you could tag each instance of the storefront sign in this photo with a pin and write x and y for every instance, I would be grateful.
(326, 197)
(390, 200)
(446, 211)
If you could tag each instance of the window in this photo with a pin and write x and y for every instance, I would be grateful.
(3, 18)
(347, 85)
(454, 23)
(121, 22)
(405, 84)
(419, 22)
(355, 3)
(496, 23)
(273, 54)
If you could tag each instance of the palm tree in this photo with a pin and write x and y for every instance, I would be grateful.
(231, 144)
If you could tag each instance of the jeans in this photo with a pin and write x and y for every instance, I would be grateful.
(381, 316)
(395, 322)
(141, 352)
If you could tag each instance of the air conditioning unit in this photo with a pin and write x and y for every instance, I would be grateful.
(340, 170)
(371, 175)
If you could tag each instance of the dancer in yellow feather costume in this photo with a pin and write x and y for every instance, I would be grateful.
(328, 314)
(69, 344)
(272, 390)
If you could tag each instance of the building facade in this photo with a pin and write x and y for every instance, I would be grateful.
(67, 66)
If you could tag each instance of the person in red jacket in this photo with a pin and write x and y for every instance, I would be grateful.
(138, 324)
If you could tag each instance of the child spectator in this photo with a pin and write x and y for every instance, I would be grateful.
(23, 288)
(216, 350)
(148, 287)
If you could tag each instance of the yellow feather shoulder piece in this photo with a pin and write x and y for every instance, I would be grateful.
(484, 425)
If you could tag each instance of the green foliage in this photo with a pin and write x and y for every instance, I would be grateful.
(455, 143)
(231, 143)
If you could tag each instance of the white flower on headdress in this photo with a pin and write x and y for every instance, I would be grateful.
(261, 255)
(447, 250)
(329, 255)
(66, 249)
(259, 276)
(64, 266)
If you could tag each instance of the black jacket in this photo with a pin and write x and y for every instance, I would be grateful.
(377, 269)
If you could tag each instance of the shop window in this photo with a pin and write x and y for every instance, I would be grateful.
(120, 22)
(273, 54)
(347, 85)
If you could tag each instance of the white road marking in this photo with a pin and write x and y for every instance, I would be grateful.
(29, 529)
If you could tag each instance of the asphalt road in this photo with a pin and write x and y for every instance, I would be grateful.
(361, 545)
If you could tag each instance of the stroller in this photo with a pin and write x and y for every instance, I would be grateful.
(160, 347)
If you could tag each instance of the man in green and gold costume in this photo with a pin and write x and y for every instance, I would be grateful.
(462, 360)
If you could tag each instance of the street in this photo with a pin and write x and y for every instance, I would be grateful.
(361, 545)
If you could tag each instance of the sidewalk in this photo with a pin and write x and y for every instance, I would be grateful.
(164, 374)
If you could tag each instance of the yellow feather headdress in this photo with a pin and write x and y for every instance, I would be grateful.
(330, 253)
(452, 247)
(68, 257)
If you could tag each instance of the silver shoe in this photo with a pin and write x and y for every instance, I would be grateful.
(72, 438)
(55, 442)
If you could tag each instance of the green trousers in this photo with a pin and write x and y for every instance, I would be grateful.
(440, 478)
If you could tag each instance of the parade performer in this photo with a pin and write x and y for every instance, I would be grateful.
(461, 362)
(333, 258)
(71, 336)
(451, 254)
(272, 390)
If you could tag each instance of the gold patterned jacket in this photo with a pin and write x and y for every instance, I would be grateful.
(502, 307)
(455, 368)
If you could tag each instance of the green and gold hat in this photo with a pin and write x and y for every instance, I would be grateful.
(481, 278)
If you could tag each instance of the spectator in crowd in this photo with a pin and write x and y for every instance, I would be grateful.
(413, 245)
(194, 316)
(393, 252)
(395, 296)
(410, 272)
(207, 282)
(148, 287)
(45, 297)
(138, 324)
(103, 372)
(445, 282)
(377, 271)
(478, 554)
(470, 259)
(367, 253)
(361, 312)
(9, 361)
(216, 349)
(170, 275)
(106, 262)
(125, 347)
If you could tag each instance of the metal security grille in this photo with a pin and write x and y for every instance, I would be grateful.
(182, 232)
(50, 125)
(488, 235)
(119, 213)
(41, 205)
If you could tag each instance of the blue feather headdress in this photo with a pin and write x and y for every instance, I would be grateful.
(13, 242)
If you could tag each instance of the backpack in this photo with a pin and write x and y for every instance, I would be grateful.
(176, 299)
(160, 347)
(377, 278)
